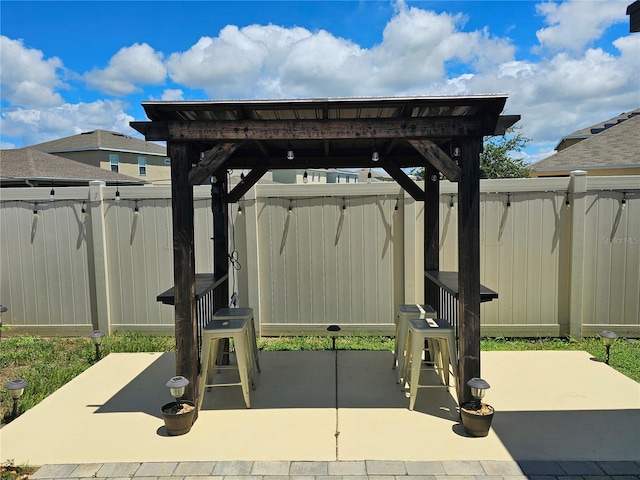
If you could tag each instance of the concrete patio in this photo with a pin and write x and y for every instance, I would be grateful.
(550, 406)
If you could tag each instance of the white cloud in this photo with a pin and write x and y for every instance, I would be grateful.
(575, 24)
(172, 95)
(128, 69)
(28, 79)
(36, 126)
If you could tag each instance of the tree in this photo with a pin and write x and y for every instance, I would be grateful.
(496, 160)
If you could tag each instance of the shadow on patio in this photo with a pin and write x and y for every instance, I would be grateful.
(550, 406)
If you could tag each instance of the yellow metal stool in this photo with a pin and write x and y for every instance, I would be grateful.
(443, 336)
(245, 313)
(212, 334)
(404, 313)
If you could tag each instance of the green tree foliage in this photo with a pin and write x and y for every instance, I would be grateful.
(496, 159)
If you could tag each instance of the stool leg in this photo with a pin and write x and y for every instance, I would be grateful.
(395, 350)
(402, 342)
(242, 358)
(444, 360)
(253, 339)
(453, 358)
(204, 369)
(416, 360)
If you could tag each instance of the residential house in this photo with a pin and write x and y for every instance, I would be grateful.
(607, 148)
(115, 152)
(29, 167)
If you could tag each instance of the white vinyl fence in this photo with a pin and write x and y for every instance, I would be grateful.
(562, 253)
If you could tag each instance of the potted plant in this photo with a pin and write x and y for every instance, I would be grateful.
(178, 416)
(476, 415)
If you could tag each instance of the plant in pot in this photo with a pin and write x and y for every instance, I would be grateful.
(178, 416)
(476, 415)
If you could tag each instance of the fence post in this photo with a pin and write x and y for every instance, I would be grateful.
(576, 199)
(99, 267)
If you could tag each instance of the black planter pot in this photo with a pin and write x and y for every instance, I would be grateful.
(178, 423)
(474, 424)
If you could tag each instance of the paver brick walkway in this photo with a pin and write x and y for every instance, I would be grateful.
(346, 470)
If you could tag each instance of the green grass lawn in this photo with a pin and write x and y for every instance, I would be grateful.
(48, 363)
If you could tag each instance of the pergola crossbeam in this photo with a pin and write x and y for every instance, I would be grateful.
(212, 161)
(436, 157)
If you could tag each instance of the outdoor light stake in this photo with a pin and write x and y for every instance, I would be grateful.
(16, 389)
(177, 386)
(608, 337)
(96, 338)
(478, 389)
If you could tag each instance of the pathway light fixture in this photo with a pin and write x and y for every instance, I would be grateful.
(177, 386)
(608, 337)
(333, 329)
(2, 310)
(16, 389)
(96, 338)
(478, 389)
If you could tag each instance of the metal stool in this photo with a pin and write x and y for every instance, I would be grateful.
(406, 312)
(245, 313)
(212, 334)
(444, 342)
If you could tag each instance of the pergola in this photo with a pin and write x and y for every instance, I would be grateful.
(443, 134)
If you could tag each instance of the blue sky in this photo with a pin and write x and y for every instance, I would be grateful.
(69, 67)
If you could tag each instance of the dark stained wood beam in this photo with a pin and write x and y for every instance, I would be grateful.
(436, 157)
(504, 122)
(404, 181)
(212, 161)
(247, 182)
(469, 265)
(352, 129)
(431, 232)
(184, 266)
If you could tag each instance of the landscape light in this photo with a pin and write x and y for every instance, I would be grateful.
(177, 386)
(608, 337)
(16, 389)
(478, 389)
(96, 338)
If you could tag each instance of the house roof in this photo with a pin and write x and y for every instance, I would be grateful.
(101, 140)
(616, 145)
(595, 129)
(19, 165)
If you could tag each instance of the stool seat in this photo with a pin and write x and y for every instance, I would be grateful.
(216, 330)
(406, 312)
(443, 336)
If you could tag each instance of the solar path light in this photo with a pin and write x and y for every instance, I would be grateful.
(16, 389)
(96, 338)
(608, 337)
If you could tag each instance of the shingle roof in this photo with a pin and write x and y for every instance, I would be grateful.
(101, 140)
(597, 128)
(18, 165)
(616, 145)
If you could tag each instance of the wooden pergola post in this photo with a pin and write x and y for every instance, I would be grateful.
(431, 232)
(184, 265)
(469, 264)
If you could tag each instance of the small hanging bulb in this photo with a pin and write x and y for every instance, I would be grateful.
(35, 210)
(241, 175)
(369, 176)
(623, 202)
(305, 177)
(508, 200)
(52, 194)
(375, 156)
(290, 155)
(136, 210)
(567, 200)
(396, 207)
(290, 204)
(117, 199)
(451, 205)
(239, 209)
(83, 209)
(344, 204)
